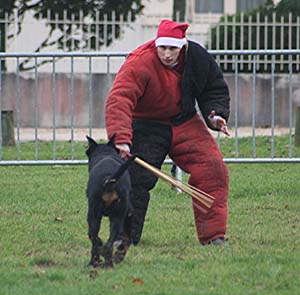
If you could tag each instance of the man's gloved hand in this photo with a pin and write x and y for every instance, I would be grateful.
(124, 150)
(218, 122)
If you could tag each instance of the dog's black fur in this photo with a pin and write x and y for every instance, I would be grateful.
(109, 193)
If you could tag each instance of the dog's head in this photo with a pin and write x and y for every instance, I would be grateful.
(94, 147)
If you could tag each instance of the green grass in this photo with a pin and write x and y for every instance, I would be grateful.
(44, 247)
(243, 148)
(262, 145)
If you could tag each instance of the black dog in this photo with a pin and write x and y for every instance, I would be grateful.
(108, 192)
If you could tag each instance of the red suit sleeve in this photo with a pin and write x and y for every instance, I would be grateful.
(127, 88)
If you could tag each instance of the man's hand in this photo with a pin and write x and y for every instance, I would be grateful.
(218, 122)
(124, 150)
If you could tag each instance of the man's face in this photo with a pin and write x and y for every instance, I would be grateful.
(168, 55)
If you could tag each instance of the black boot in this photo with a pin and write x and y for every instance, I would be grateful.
(137, 224)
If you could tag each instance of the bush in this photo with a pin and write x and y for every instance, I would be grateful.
(267, 27)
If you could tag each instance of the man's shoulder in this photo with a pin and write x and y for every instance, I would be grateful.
(196, 48)
(145, 51)
(141, 59)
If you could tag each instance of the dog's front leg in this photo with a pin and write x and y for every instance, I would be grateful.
(95, 252)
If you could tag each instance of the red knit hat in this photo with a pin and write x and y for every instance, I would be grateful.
(171, 33)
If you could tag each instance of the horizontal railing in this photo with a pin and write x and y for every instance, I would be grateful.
(63, 146)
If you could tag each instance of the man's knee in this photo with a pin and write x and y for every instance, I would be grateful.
(140, 197)
(142, 180)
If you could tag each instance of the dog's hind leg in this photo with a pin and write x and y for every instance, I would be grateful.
(94, 223)
(115, 231)
(125, 238)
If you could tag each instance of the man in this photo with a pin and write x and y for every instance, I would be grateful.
(151, 110)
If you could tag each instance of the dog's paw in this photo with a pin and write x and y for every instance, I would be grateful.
(108, 264)
(96, 262)
(119, 256)
(120, 253)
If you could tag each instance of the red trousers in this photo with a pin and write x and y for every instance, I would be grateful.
(195, 151)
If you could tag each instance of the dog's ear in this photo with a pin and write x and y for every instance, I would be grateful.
(92, 144)
(112, 140)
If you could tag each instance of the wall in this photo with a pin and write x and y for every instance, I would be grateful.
(263, 102)
(100, 87)
(26, 97)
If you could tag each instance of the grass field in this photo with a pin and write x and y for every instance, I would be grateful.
(263, 146)
(44, 247)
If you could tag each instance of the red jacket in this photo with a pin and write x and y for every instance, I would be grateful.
(143, 89)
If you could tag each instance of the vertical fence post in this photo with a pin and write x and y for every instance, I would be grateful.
(297, 127)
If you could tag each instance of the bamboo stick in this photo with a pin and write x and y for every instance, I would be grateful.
(204, 194)
(194, 192)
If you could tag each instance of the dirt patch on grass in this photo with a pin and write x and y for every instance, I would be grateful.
(45, 263)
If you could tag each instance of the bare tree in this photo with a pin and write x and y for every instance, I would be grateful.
(72, 11)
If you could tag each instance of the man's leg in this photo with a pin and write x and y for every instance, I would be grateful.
(196, 152)
(151, 142)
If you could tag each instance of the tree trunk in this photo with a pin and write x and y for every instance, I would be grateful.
(8, 132)
(179, 10)
(297, 127)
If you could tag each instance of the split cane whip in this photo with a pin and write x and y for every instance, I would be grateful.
(204, 198)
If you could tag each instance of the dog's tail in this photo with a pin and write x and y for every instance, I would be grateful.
(111, 181)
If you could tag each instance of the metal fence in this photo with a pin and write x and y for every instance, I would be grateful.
(71, 150)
